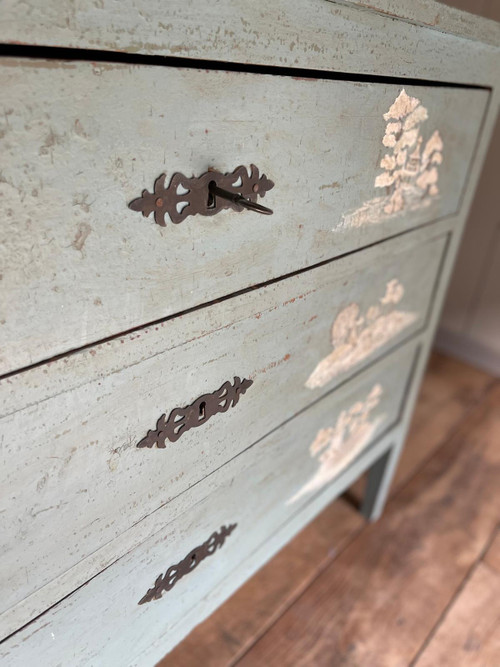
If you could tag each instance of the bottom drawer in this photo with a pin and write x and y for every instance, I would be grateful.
(148, 593)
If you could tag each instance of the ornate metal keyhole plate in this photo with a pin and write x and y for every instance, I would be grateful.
(165, 582)
(186, 196)
(181, 420)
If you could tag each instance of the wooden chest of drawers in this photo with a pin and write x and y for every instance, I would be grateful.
(183, 390)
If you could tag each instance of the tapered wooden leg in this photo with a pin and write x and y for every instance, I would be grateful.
(379, 482)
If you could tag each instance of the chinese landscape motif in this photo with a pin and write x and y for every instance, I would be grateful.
(410, 176)
(335, 447)
(355, 336)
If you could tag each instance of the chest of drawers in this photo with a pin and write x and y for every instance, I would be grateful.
(185, 387)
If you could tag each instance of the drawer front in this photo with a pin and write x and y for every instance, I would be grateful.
(352, 163)
(160, 582)
(94, 457)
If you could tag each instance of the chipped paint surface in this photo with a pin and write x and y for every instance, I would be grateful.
(336, 446)
(355, 336)
(82, 233)
(410, 173)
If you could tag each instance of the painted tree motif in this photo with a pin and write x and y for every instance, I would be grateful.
(356, 335)
(410, 172)
(410, 176)
(336, 446)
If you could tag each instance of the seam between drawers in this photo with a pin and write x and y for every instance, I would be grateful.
(95, 55)
(225, 297)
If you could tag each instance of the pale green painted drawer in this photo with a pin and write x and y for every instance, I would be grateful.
(352, 163)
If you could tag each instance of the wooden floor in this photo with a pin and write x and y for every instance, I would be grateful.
(419, 587)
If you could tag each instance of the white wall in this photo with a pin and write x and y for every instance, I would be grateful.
(470, 322)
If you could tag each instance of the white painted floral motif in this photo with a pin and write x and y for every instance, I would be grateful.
(355, 336)
(335, 447)
(410, 173)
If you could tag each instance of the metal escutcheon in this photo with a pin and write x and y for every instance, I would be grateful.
(207, 194)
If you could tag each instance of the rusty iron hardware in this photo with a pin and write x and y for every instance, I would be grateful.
(165, 582)
(181, 420)
(207, 194)
(238, 199)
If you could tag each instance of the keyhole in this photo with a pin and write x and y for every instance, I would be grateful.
(211, 198)
(202, 409)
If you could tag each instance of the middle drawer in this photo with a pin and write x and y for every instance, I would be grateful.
(193, 394)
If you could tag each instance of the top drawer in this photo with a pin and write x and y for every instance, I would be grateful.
(79, 141)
